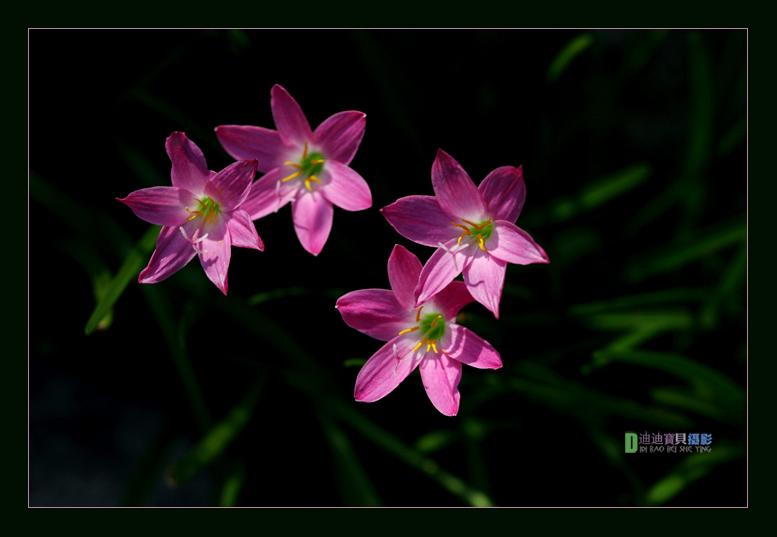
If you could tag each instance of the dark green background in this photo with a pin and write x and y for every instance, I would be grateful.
(634, 152)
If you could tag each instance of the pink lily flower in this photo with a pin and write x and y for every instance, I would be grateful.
(200, 214)
(308, 168)
(472, 227)
(424, 336)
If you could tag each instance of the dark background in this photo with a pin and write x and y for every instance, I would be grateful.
(633, 145)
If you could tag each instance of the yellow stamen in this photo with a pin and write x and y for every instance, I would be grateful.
(437, 319)
(409, 330)
(317, 161)
(434, 347)
(309, 179)
(305, 153)
(419, 344)
(465, 228)
(428, 345)
(418, 315)
(290, 177)
(194, 215)
(287, 163)
(480, 241)
(470, 223)
(462, 236)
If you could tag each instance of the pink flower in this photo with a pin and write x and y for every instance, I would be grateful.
(424, 336)
(200, 214)
(473, 228)
(308, 168)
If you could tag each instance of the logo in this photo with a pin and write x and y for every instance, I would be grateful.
(668, 442)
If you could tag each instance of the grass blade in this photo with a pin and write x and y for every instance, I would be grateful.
(132, 265)
(571, 50)
(217, 438)
(692, 468)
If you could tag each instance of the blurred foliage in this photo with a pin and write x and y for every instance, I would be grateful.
(634, 152)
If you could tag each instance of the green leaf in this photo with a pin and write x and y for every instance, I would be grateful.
(151, 465)
(233, 484)
(217, 439)
(543, 386)
(734, 276)
(132, 265)
(277, 293)
(435, 440)
(733, 138)
(700, 127)
(680, 294)
(355, 485)
(156, 296)
(145, 171)
(88, 221)
(571, 50)
(693, 401)
(592, 195)
(703, 243)
(692, 468)
(413, 458)
(706, 379)
(676, 319)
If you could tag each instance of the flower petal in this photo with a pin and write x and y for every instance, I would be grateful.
(245, 142)
(504, 192)
(340, 135)
(441, 376)
(440, 270)
(420, 219)
(457, 195)
(172, 253)
(375, 312)
(468, 348)
(485, 279)
(189, 170)
(510, 243)
(269, 193)
(384, 370)
(346, 188)
(242, 231)
(215, 253)
(451, 299)
(404, 269)
(292, 125)
(161, 205)
(312, 215)
(230, 186)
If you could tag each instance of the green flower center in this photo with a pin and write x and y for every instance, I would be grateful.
(431, 327)
(207, 208)
(309, 167)
(312, 164)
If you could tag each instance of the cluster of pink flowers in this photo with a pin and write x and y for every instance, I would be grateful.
(472, 227)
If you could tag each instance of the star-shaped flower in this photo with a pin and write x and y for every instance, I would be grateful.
(200, 214)
(425, 336)
(472, 227)
(305, 167)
